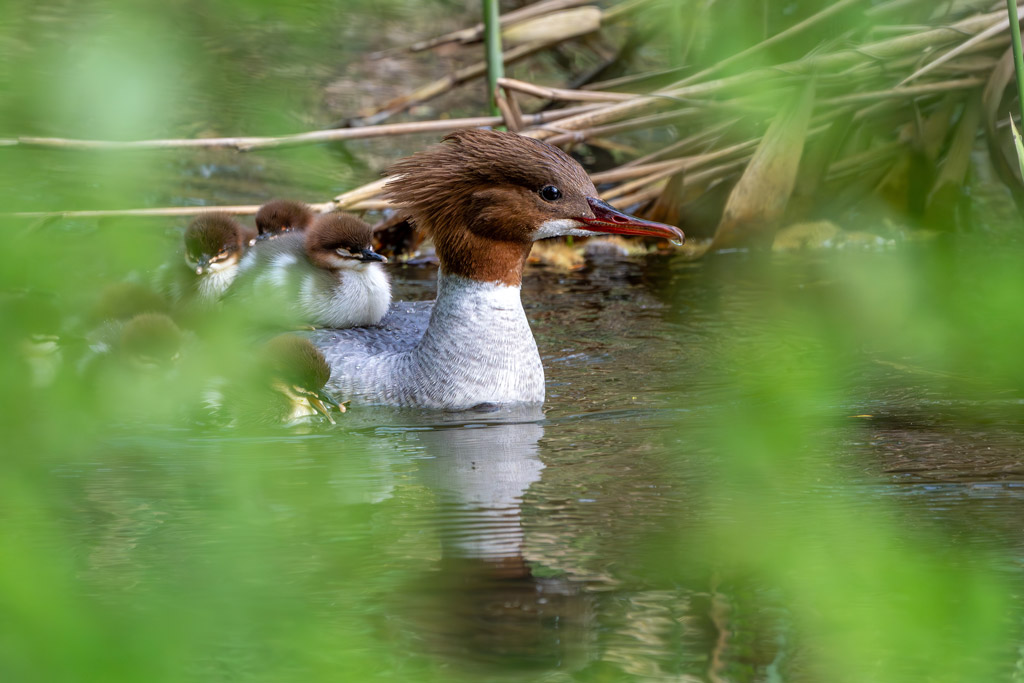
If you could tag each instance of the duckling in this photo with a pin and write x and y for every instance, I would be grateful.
(132, 369)
(349, 287)
(281, 216)
(151, 340)
(124, 300)
(328, 277)
(214, 245)
(146, 341)
(34, 326)
(283, 384)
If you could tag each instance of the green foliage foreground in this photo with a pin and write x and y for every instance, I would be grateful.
(135, 546)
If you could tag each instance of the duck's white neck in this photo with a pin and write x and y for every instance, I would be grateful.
(479, 347)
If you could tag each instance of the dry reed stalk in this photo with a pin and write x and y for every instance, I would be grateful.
(773, 40)
(631, 79)
(912, 61)
(965, 46)
(970, 64)
(621, 173)
(809, 65)
(252, 143)
(689, 180)
(449, 82)
(623, 10)
(361, 193)
(640, 196)
(512, 118)
(638, 123)
(855, 163)
(682, 165)
(475, 33)
(715, 172)
(561, 25)
(563, 94)
(678, 148)
(759, 199)
(514, 111)
(905, 92)
(246, 144)
(369, 204)
(868, 112)
(243, 210)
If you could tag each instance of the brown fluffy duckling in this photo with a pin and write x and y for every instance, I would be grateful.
(284, 384)
(328, 277)
(148, 341)
(151, 340)
(214, 245)
(124, 300)
(281, 216)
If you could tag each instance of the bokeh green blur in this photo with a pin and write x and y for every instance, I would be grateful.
(135, 546)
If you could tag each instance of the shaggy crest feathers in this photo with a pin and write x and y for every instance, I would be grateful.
(478, 195)
(470, 159)
(281, 215)
(212, 233)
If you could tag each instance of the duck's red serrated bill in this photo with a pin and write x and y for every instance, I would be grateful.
(609, 219)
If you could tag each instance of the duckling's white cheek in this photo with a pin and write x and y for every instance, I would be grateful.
(218, 266)
(345, 263)
(560, 227)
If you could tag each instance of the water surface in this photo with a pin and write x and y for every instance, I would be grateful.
(591, 540)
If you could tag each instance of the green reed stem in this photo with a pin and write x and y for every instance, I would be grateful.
(1018, 61)
(492, 42)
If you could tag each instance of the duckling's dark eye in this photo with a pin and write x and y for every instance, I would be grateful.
(550, 193)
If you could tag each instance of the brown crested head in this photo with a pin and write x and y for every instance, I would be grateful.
(213, 240)
(340, 240)
(282, 215)
(485, 196)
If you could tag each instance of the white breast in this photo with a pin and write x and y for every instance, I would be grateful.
(285, 287)
(353, 297)
(478, 348)
(212, 285)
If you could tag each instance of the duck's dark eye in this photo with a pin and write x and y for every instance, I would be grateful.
(550, 193)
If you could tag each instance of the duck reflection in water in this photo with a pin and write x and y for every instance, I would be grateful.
(485, 605)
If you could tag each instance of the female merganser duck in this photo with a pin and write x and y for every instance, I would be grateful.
(329, 276)
(280, 216)
(214, 245)
(485, 196)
